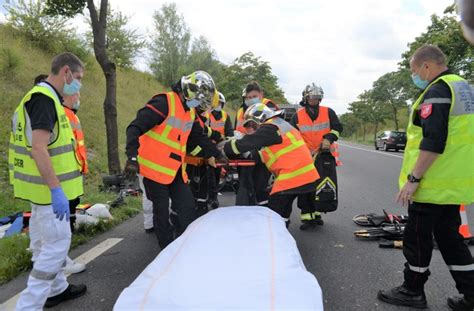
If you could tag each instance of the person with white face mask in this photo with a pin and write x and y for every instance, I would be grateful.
(45, 171)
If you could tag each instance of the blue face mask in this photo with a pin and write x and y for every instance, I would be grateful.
(252, 101)
(419, 82)
(193, 103)
(72, 88)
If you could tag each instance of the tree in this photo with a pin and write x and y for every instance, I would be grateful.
(122, 44)
(43, 30)
(446, 33)
(391, 90)
(203, 57)
(351, 124)
(246, 68)
(360, 111)
(170, 45)
(70, 8)
(367, 110)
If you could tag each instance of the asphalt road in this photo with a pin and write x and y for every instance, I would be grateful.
(349, 271)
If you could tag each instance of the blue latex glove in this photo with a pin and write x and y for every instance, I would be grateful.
(60, 203)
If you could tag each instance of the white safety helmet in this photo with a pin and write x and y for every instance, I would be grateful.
(221, 99)
(201, 87)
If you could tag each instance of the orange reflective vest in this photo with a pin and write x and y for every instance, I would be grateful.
(81, 151)
(313, 131)
(266, 101)
(290, 161)
(218, 125)
(239, 126)
(163, 148)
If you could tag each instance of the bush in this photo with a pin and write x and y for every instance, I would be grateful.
(9, 61)
(47, 32)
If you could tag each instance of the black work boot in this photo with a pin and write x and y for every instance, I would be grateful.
(403, 296)
(460, 303)
(71, 292)
(307, 225)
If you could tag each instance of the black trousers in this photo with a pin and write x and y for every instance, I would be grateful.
(246, 192)
(306, 204)
(213, 177)
(282, 203)
(199, 186)
(442, 221)
(261, 175)
(72, 210)
(182, 201)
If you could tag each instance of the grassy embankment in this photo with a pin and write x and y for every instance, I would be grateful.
(20, 62)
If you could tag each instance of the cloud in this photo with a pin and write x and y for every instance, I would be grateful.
(342, 45)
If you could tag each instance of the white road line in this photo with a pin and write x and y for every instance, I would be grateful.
(374, 151)
(85, 258)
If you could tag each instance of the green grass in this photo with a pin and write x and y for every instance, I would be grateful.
(133, 90)
(15, 258)
(20, 63)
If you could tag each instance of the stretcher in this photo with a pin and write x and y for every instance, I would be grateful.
(232, 258)
(235, 163)
(198, 161)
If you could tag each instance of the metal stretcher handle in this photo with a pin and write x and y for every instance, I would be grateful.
(237, 163)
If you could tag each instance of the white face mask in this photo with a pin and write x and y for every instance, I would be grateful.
(218, 108)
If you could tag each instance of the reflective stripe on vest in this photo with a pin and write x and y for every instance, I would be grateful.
(81, 151)
(450, 179)
(239, 126)
(218, 125)
(290, 161)
(266, 101)
(313, 131)
(163, 148)
(25, 177)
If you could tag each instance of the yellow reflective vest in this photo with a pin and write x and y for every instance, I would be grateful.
(24, 175)
(450, 179)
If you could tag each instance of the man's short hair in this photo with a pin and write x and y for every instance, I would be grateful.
(253, 86)
(40, 78)
(69, 59)
(429, 53)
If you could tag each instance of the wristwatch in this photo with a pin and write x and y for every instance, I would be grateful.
(413, 179)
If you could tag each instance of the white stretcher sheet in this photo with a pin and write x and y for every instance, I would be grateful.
(239, 258)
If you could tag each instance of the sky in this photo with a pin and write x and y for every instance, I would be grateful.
(344, 46)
